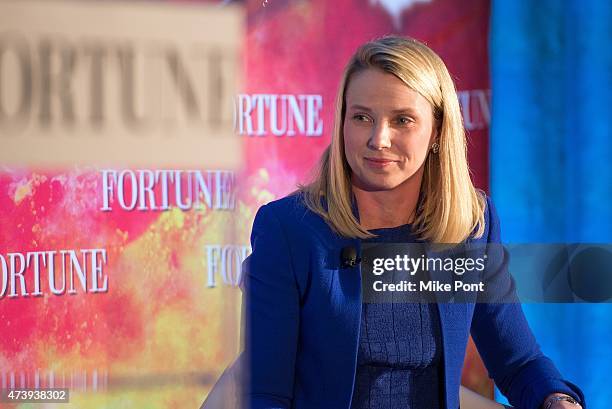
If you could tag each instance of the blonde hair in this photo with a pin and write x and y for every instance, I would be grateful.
(449, 208)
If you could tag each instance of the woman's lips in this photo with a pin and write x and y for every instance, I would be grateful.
(378, 163)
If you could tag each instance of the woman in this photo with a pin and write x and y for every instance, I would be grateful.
(395, 171)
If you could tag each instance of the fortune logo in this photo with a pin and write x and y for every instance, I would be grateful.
(278, 114)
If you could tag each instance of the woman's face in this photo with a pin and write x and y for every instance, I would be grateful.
(388, 129)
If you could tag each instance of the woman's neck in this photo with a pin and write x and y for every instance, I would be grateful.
(388, 208)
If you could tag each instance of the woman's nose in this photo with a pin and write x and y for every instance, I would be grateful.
(380, 138)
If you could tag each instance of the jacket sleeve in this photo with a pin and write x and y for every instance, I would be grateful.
(505, 341)
(271, 316)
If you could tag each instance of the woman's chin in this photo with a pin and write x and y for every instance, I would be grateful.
(377, 185)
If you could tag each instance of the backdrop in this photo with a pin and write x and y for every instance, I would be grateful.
(550, 159)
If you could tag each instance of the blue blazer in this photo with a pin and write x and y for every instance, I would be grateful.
(302, 318)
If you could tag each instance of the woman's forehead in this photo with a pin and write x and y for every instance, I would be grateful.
(373, 89)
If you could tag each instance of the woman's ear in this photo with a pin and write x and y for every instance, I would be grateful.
(434, 139)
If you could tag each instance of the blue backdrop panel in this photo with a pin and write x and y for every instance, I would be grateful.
(551, 158)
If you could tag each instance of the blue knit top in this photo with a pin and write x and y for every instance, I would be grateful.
(400, 349)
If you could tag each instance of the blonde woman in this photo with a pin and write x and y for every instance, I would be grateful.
(395, 171)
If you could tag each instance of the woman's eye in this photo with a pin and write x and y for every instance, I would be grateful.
(361, 117)
(404, 120)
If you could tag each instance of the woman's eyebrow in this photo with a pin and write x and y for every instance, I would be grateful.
(404, 111)
(395, 111)
(360, 108)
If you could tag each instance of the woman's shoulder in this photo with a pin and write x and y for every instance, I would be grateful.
(289, 220)
(287, 209)
(287, 205)
(292, 213)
